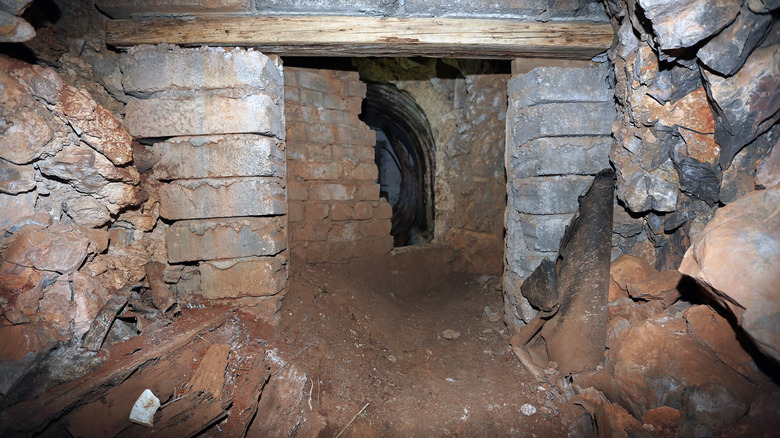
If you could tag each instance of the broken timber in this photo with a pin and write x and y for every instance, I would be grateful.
(373, 36)
(33, 416)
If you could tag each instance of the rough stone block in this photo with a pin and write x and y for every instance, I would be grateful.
(147, 70)
(248, 277)
(473, 7)
(15, 208)
(548, 195)
(16, 179)
(560, 119)
(544, 232)
(228, 197)
(204, 115)
(155, 8)
(194, 240)
(349, 7)
(560, 156)
(218, 156)
(551, 84)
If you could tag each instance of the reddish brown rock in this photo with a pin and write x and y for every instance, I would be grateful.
(88, 296)
(615, 292)
(662, 286)
(736, 257)
(629, 269)
(768, 170)
(745, 104)
(55, 308)
(614, 421)
(712, 329)
(95, 124)
(655, 361)
(665, 420)
(14, 209)
(59, 248)
(18, 340)
(16, 179)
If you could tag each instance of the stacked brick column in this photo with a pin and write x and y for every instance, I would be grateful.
(559, 126)
(335, 209)
(220, 174)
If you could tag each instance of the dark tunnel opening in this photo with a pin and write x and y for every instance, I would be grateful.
(405, 158)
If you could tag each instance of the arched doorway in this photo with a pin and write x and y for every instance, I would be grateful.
(405, 154)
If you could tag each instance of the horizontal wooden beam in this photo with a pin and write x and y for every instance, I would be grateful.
(373, 36)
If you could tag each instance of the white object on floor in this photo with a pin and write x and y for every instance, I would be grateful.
(144, 409)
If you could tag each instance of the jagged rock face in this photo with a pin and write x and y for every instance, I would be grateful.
(65, 176)
(698, 92)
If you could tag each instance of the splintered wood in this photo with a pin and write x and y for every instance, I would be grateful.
(210, 375)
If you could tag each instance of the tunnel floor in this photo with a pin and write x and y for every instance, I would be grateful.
(359, 344)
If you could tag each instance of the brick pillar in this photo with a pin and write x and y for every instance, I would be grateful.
(220, 174)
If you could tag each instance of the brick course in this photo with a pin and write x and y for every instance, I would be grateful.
(335, 210)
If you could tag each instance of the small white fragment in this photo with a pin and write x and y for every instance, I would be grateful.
(450, 379)
(144, 409)
(527, 410)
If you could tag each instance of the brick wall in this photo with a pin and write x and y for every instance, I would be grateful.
(335, 212)
(219, 171)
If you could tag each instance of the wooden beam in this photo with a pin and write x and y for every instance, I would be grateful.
(373, 36)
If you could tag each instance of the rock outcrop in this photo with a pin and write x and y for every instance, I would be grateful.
(736, 259)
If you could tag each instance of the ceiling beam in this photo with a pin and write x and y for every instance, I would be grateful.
(373, 36)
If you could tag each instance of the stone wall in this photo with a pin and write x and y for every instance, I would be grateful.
(71, 211)
(214, 161)
(527, 9)
(697, 126)
(465, 104)
(335, 210)
(558, 136)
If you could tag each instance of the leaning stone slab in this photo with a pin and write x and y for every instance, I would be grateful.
(218, 156)
(227, 197)
(250, 277)
(223, 239)
(204, 115)
(576, 337)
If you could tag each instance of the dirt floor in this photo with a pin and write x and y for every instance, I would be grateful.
(379, 341)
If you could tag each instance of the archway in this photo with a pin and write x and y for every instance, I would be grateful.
(405, 152)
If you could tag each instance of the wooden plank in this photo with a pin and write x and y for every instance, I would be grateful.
(373, 36)
(210, 375)
(109, 415)
(123, 359)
